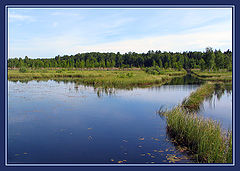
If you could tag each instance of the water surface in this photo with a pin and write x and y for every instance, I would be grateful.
(64, 122)
(56, 122)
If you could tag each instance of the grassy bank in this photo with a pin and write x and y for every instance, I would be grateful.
(203, 137)
(223, 75)
(206, 91)
(195, 99)
(100, 78)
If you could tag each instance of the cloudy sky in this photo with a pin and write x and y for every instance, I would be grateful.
(39, 32)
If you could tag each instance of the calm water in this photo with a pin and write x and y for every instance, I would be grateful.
(220, 109)
(56, 122)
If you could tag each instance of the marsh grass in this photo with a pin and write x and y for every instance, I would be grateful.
(221, 75)
(203, 137)
(117, 79)
(194, 101)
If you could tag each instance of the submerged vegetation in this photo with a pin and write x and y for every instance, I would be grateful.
(203, 137)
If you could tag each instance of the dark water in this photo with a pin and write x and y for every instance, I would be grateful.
(57, 122)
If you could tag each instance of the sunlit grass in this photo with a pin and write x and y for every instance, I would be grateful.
(204, 137)
(99, 78)
(221, 75)
(195, 99)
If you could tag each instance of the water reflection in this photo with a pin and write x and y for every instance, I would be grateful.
(185, 80)
(63, 122)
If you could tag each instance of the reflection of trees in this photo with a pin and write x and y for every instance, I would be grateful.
(220, 90)
(187, 79)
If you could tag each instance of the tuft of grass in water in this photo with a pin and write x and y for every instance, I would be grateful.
(204, 137)
(195, 99)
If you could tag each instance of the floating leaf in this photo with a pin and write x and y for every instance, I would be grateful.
(124, 160)
(25, 153)
(17, 154)
(149, 154)
(142, 154)
(155, 150)
(141, 139)
(89, 128)
(120, 161)
(160, 151)
(112, 160)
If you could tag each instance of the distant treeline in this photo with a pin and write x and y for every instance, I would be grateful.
(209, 59)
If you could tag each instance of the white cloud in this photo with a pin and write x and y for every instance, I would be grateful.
(61, 45)
(179, 43)
(12, 16)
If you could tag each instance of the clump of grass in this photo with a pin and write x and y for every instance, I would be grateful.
(127, 75)
(23, 70)
(204, 137)
(155, 70)
(195, 99)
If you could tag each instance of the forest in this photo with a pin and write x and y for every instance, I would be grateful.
(208, 60)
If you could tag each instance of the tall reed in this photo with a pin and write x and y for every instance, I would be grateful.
(204, 137)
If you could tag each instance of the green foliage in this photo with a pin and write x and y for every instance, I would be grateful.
(211, 60)
(204, 137)
(23, 70)
(155, 70)
(60, 70)
(192, 103)
(98, 78)
(125, 75)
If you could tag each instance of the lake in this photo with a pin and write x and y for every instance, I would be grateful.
(63, 122)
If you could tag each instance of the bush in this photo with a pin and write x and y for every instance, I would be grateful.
(130, 74)
(155, 70)
(60, 70)
(23, 70)
(123, 75)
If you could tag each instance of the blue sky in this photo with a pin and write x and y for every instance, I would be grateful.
(48, 32)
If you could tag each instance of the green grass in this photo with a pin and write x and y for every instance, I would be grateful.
(203, 137)
(221, 75)
(117, 79)
(195, 99)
